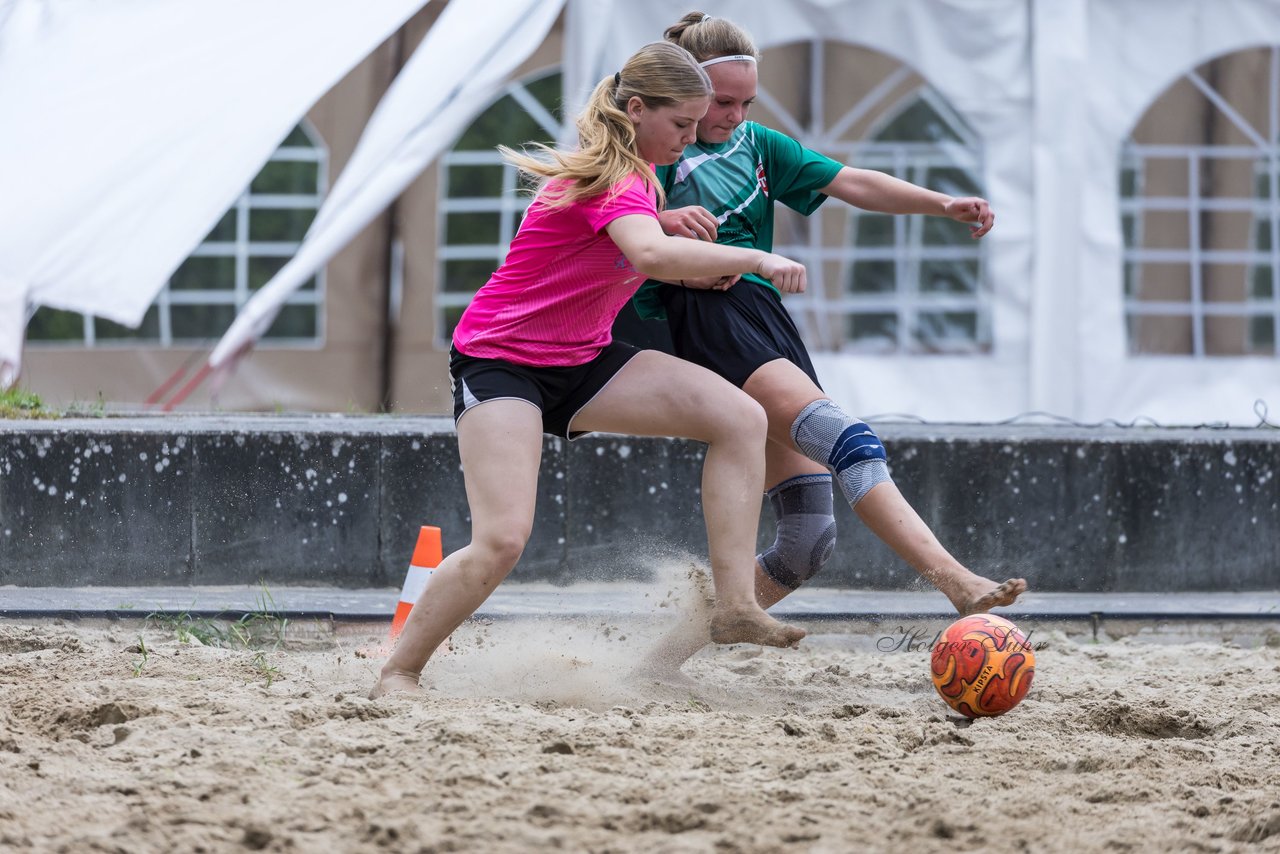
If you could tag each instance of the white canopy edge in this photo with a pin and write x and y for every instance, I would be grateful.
(463, 62)
(131, 128)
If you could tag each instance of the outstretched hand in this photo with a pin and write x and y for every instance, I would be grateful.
(694, 221)
(974, 211)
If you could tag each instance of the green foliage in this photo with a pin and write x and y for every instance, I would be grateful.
(88, 409)
(19, 403)
(261, 628)
(269, 671)
(140, 663)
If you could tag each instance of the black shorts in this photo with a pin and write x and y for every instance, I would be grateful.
(559, 393)
(733, 332)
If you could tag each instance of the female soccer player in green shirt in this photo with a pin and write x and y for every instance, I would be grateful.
(724, 189)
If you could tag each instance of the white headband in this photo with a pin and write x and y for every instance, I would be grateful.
(740, 57)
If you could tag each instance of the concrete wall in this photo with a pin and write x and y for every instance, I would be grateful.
(338, 500)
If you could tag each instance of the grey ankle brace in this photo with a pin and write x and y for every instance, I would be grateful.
(806, 530)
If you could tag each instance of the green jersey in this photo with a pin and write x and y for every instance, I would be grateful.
(738, 181)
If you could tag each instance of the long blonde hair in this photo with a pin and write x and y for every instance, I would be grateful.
(707, 38)
(660, 74)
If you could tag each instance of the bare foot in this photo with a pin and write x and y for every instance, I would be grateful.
(392, 681)
(750, 624)
(995, 595)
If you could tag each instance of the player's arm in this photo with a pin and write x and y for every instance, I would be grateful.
(670, 259)
(699, 223)
(875, 191)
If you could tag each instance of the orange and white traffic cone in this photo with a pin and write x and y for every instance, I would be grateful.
(426, 557)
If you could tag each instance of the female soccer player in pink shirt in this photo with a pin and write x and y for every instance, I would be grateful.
(533, 353)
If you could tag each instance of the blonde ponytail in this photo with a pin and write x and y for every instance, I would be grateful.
(660, 75)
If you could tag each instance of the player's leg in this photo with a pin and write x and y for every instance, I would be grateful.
(659, 395)
(891, 518)
(802, 416)
(799, 493)
(800, 486)
(500, 445)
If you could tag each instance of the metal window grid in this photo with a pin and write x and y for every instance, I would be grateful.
(1196, 256)
(242, 250)
(910, 161)
(509, 204)
(1264, 152)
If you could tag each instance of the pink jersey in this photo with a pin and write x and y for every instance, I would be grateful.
(554, 300)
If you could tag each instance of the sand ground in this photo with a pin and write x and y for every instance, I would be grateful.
(533, 737)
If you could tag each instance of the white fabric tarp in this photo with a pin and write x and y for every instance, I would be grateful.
(464, 61)
(130, 128)
(1052, 89)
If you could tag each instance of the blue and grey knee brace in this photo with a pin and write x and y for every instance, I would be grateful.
(806, 530)
(828, 435)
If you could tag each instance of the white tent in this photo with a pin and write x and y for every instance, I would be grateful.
(463, 62)
(129, 128)
(1051, 87)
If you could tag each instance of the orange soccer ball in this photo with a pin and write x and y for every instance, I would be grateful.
(982, 665)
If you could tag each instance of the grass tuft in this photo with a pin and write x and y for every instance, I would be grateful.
(261, 630)
(20, 403)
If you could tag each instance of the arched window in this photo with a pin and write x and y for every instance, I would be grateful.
(915, 282)
(879, 283)
(248, 246)
(1200, 209)
(480, 203)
